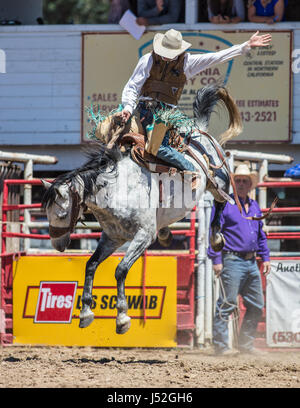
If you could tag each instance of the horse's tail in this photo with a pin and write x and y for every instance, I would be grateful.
(235, 120)
(204, 103)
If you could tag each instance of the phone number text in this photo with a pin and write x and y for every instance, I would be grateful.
(259, 116)
(286, 337)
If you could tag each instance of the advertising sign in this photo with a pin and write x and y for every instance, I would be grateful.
(47, 294)
(55, 302)
(260, 82)
(283, 304)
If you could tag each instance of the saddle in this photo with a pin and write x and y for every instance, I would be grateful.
(136, 142)
(112, 131)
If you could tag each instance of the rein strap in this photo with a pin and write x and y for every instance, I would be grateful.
(224, 162)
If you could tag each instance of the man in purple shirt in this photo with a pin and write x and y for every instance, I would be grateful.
(236, 266)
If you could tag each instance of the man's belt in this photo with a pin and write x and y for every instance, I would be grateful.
(245, 255)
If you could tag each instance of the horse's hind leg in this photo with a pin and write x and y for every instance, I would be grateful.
(104, 249)
(136, 248)
(217, 239)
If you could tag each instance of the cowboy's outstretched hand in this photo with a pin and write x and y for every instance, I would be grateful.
(260, 40)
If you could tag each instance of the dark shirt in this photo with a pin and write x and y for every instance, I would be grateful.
(241, 235)
(170, 13)
(116, 10)
(238, 10)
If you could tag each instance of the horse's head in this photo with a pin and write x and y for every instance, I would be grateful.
(63, 209)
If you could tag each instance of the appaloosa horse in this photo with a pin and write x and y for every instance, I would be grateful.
(125, 199)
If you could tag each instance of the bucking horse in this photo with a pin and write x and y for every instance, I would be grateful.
(136, 203)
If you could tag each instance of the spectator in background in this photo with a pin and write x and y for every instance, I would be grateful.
(266, 11)
(236, 266)
(152, 12)
(117, 9)
(225, 11)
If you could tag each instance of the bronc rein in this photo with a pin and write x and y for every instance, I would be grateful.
(223, 159)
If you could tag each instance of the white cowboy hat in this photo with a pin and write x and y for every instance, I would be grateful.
(170, 44)
(243, 170)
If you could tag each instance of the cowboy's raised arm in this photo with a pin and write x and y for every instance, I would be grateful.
(132, 89)
(196, 63)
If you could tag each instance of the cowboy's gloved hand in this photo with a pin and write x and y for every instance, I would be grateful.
(125, 115)
(260, 40)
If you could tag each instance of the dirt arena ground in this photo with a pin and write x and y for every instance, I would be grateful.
(68, 367)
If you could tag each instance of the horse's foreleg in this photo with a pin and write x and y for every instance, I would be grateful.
(217, 240)
(104, 249)
(136, 248)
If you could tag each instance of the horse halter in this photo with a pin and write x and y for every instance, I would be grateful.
(56, 232)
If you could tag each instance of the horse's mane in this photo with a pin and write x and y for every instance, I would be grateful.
(100, 160)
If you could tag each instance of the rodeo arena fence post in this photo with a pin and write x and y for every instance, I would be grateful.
(197, 288)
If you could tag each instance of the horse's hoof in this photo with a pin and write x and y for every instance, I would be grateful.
(86, 318)
(123, 326)
(219, 242)
(165, 237)
(166, 242)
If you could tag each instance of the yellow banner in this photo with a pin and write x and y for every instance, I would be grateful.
(259, 82)
(47, 294)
